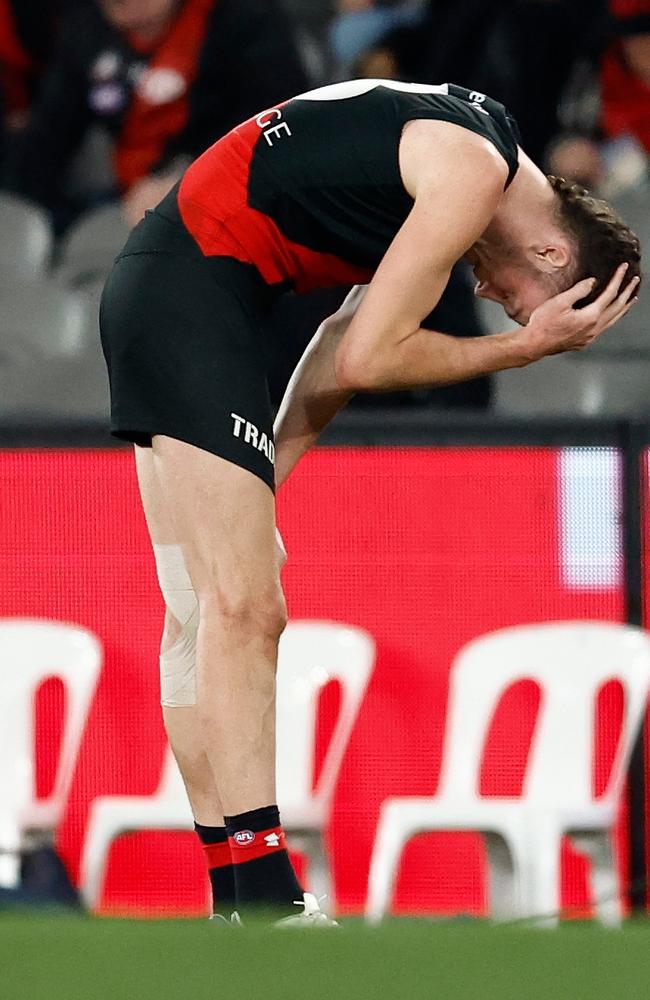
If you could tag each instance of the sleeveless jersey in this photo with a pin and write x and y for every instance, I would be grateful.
(310, 192)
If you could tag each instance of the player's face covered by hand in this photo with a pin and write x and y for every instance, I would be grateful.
(517, 287)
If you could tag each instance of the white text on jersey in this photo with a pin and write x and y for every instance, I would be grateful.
(476, 101)
(271, 132)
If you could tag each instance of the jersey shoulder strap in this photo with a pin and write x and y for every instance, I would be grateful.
(474, 111)
(445, 101)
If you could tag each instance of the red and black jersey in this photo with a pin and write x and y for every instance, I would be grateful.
(310, 192)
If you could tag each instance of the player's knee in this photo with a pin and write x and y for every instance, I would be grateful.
(259, 611)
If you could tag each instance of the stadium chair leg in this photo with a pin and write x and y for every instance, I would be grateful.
(320, 874)
(9, 870)
(9, 852)
(384, 866)
(605, 882)
(541, 878)
(318, 879)
(95, 858)
(503, 887)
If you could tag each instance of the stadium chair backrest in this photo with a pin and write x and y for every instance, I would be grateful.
(26, 244)
(570, 661)
(312, 654)
(576, 385)
(90, 246)
(31, 651)
(41, 321)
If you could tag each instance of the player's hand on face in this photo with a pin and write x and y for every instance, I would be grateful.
(556, 326)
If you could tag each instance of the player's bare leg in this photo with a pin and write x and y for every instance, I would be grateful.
(181, 721)
(224, 517)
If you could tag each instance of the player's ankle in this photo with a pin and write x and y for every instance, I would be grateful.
(218, 859)
(264, 876)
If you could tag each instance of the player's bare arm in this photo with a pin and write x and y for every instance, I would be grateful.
(385, 347)
(313, 396)
(380, 344)
(317, 390)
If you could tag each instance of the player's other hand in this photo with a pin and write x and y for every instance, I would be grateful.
(556, 326)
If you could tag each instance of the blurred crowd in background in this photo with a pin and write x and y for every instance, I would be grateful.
(103, 103)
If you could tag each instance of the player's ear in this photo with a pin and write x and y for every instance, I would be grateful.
(552, 257)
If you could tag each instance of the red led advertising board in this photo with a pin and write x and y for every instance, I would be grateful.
(426, 548)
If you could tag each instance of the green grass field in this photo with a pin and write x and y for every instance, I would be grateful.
(75, 958)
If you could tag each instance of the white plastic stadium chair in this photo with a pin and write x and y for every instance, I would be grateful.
(570, 661)
(32, 650)
(112, 815)
(27, 238)
(311, 654)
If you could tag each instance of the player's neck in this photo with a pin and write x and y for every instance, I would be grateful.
(526, 210)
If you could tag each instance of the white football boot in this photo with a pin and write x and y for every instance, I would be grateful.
(233, 922)
(311, 916)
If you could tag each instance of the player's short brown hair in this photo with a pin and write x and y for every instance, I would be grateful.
(602, 240)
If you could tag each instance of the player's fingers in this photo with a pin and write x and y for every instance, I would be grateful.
(576, 292)
(621, 301)
(630, 289)
(615, 319)
(610, 292)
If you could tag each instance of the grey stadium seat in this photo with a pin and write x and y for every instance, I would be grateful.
(51, 365)
(66, 389)
(575, 385)
(632, 334)
(90, 246)
(26, 244)
(41, 320)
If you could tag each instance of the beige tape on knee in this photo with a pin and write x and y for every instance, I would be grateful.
(178, 663)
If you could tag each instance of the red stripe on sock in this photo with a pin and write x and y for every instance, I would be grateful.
(248, 846)
(217, 855)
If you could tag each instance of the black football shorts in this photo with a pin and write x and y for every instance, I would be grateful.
(183, 338)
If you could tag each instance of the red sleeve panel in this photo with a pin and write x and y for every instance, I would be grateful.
(213, 202)
(310, 191)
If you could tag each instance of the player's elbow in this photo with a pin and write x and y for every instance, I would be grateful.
(354, 369)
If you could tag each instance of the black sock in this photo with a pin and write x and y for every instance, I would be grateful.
(220, 867)
(264, 875)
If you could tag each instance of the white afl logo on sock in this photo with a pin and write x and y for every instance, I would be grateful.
(244, 837)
